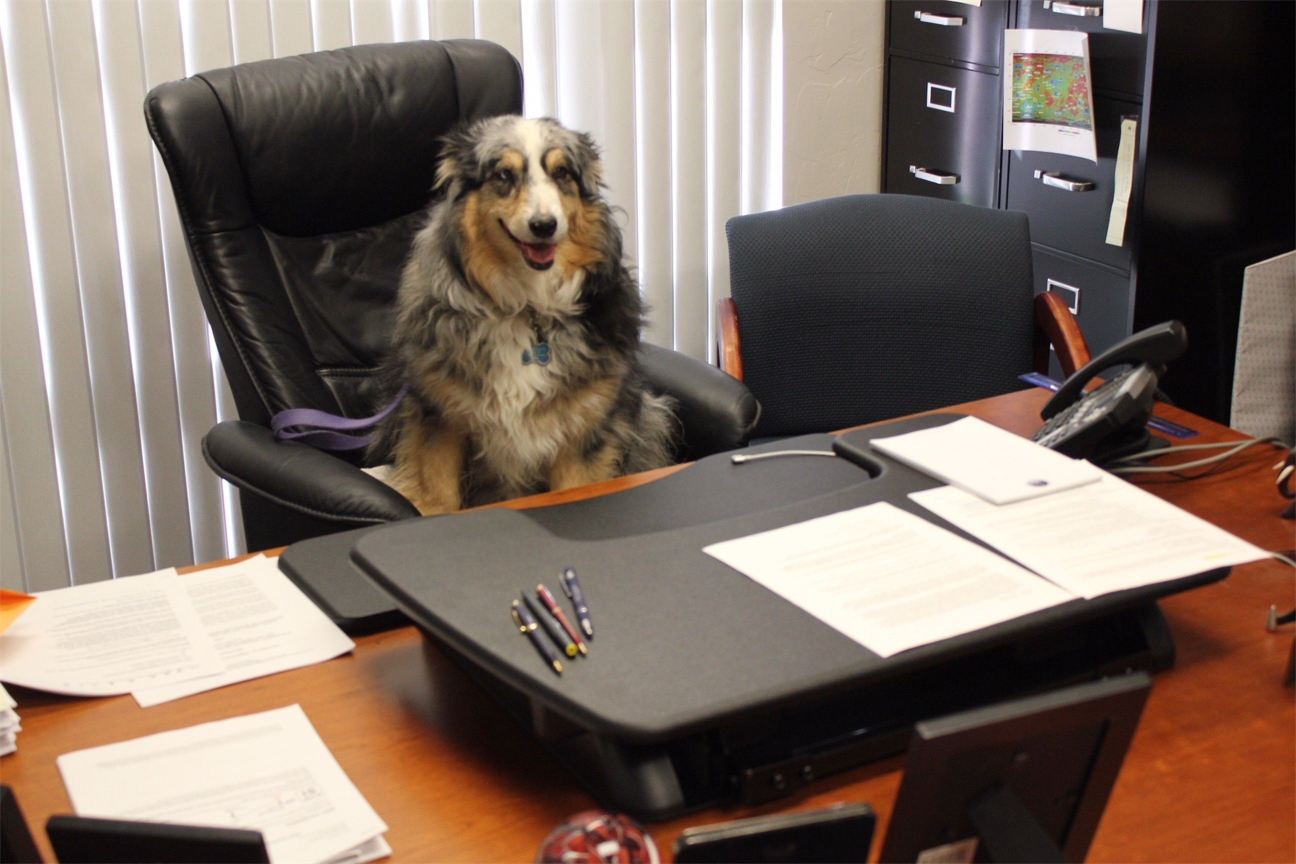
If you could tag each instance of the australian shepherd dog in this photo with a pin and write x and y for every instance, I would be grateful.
(517, 328)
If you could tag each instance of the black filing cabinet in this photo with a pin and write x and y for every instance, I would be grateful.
(1210, 84)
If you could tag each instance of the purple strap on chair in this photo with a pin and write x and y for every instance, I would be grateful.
(330, 429)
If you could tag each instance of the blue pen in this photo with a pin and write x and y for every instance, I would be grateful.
(571, 587)
(531, 629)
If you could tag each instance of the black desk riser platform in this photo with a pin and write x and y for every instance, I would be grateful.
(701, 686)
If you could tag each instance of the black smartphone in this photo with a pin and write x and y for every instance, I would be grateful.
(841, 833)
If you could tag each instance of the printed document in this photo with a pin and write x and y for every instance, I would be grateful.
(107, 638)
(888, 579)
(988, 461)
(1108, 536)
(270, 772)
(259, 622)
(1048, 99)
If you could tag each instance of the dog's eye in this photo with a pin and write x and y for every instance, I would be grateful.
(504, 176)
(560, 174)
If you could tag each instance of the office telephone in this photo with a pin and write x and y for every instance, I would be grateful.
(1110, 421)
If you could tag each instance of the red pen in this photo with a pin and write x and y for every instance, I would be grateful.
(556, 611)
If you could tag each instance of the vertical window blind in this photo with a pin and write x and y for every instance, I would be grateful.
(108, 374)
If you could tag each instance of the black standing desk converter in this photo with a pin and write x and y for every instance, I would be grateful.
(702, 687)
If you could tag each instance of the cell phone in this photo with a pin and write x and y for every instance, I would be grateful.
(841, 833)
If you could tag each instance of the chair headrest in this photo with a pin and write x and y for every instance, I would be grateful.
(330, 141)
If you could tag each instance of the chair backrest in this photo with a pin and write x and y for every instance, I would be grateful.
(300, 183)
(1264, 377)
(866, 307)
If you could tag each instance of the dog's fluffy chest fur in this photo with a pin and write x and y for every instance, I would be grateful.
(520, 422)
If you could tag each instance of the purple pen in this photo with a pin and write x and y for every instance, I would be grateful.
(572, 588)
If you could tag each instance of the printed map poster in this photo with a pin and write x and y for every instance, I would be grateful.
(1048, 99)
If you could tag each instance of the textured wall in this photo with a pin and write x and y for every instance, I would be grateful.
(832, 67)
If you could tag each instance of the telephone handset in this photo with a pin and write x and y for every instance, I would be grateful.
(1110, 421)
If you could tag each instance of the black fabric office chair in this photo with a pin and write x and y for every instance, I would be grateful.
(300, 183)
(861, 308)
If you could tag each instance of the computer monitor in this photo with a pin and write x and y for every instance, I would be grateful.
(1025, 780)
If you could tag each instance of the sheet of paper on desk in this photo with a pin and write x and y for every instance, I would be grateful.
(9, 727)
(988, 461)
(270, 772)
(107, 638)
(259, 622)
(888, 579)
(1095, 539)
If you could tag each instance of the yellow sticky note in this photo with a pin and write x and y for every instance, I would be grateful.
(12, 604)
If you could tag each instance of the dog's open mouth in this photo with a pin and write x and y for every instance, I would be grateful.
(538, 256)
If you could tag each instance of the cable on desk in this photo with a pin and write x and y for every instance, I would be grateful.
(1283, 558)
(1235, 447)
(740, 458)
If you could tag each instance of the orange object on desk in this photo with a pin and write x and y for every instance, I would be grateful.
(13, 604)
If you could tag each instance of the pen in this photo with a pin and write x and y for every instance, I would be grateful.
(572, 588)
(551, 627)
(528, 626)
(556, 611)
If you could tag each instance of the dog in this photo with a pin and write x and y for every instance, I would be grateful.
(517, 328)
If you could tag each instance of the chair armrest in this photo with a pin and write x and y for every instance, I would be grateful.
(299, 477)
(1055, 325)
(717, 412)
(729, 349)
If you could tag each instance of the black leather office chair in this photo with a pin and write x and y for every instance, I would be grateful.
(861, 308)
(300, 183)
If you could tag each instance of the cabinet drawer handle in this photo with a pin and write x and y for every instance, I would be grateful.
(1063, 8)
(938, 178)
(1069, 293)
(942, 20)
(1057, 181)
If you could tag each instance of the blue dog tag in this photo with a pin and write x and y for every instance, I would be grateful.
(540, 356)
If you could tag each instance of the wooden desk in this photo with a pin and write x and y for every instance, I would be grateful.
(1211, 775)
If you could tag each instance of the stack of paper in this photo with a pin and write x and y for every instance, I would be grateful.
(269, 772)
(1095, 539)
(891, 581)
(258, 622)
(988, 461)
(161, 636)
(888, 579)
(9, 727)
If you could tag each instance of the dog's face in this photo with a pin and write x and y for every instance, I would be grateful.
(527, 195)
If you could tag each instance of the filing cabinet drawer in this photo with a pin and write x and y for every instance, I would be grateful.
(1074, 221)
(942, 140)
(958, 31)
(1099, 299)
(1116, 57)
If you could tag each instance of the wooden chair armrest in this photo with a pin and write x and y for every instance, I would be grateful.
(1054, 324)
(729, 353)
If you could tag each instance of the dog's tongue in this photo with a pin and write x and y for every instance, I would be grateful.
(538, 253)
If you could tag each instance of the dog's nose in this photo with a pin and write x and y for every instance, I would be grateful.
(543, 226)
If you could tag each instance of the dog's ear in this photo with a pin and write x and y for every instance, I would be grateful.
(588, 165)
(447, 170)
(454, 161)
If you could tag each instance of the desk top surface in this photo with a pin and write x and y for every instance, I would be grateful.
(1211, 775)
